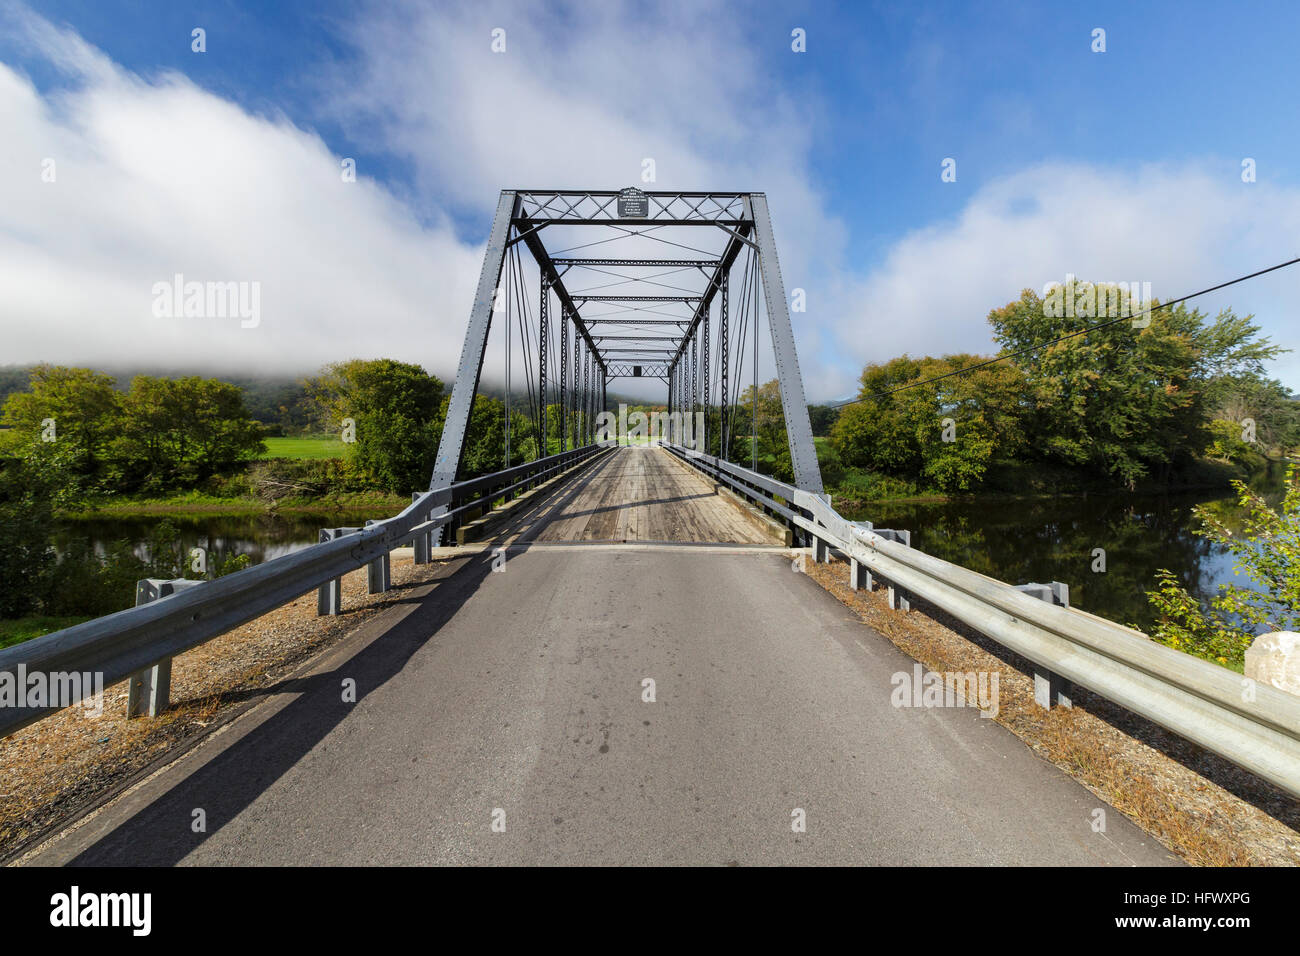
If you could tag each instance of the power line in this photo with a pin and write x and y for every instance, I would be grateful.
(1070, 335)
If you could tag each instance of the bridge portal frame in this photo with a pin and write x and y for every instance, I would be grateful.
(522, 215)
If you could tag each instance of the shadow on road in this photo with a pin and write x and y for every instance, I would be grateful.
(161, 833)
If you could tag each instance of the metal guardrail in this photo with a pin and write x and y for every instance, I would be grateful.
(141, 641)
(1251, 724)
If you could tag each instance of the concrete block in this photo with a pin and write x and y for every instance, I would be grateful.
(1274, 659)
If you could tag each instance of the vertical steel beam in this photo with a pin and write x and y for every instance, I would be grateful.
(695, 391)
(564, 377)
(695, 373)
(704, 432)
(724, 354)
(451, 447)
(573, 394)
(798, 426)
(544, 324)
(507, 441)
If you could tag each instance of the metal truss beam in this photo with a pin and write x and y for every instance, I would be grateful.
(451, 447)
(747, 222)
(579, 297)
(621, 369)
(599, 207)
(639, 263)
(798, 425)
(682, 321)
(637, 338)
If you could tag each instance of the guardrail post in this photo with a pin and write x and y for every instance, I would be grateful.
(379, 571)
(329, 597)
(899, 600)
(149, 690)
(1049, 688)
(421, 544)
(859, 573)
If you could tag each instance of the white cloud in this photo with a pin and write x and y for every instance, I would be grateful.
(1180, 228)
(157, 177)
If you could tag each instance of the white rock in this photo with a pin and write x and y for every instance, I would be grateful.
(1274, 659)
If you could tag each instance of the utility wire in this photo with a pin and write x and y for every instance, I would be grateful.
(1070, 335)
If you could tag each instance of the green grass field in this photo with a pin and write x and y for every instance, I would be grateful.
(25, 628)
(327, 446)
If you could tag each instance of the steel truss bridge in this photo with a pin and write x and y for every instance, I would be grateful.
(683, 320)
(526, 694)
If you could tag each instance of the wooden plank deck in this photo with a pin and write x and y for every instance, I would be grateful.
(640, 493)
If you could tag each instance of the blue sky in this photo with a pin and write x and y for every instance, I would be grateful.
(1122, 165)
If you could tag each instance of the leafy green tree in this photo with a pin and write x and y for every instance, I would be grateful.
(1266, 403)
(485, 438)
(822, 417)
(397, 409)
(945, 433)
(1266, 550)
(1123, 401)
(773, 445)
(26, 558)
(85, 408)
(183, 430)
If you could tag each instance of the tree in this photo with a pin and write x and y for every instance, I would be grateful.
(944, 432)
(822, 417)
(183, 430)
(1264, 402)
(773, 445)
(485, 439)
(85, 409)
(397, 411)
(1124, 401)
(26, 516)
(1267, 550)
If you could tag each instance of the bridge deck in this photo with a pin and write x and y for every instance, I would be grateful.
(641, 494)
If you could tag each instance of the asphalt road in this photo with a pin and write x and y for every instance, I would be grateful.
(522, 692)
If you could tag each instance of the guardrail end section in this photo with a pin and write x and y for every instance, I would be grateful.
(149, 690)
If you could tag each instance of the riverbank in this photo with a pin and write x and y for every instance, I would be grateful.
(1011, 483)
(196, 504)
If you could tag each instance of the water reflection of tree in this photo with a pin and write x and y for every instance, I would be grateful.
(1054, 540)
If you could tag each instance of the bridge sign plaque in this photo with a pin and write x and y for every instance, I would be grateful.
(633, 204)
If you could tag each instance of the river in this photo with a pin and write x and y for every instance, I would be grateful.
(1013, 540)
(1042, 540)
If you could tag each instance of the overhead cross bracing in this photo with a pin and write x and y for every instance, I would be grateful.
(610, 284)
